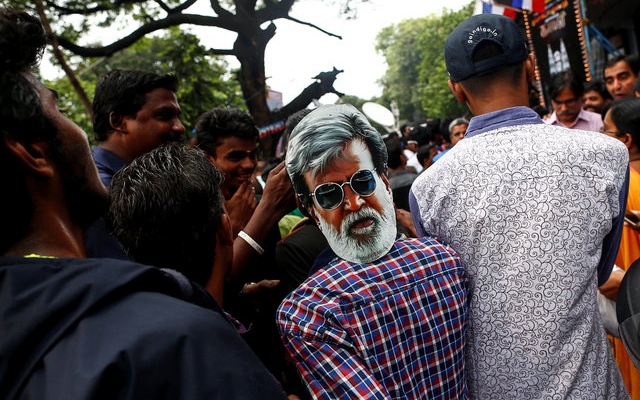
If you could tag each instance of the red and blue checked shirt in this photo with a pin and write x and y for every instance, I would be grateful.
(390, 329)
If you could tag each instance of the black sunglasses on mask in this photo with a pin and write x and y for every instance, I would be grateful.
(330, 195)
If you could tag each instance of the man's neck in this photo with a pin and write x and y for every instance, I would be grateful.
(53, 233)
(115, 149)
(566, 123)
(500, 95)
(42, 244)
(497, 104)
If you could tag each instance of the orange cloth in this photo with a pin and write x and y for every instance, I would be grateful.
(629, 252)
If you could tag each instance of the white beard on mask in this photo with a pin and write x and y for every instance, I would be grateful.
(380, 235)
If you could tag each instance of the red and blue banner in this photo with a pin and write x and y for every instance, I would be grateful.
(531, 5)
(509, 7)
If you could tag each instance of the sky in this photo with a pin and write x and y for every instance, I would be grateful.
(298, 52)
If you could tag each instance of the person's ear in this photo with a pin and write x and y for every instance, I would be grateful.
(311, 211)
(304, 210)
(627, 139)
(458, 91)
(530, 68)
(33, 156)
(211, 158)
(225, 231)
(116, 122)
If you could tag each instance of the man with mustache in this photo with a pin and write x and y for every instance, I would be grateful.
(566, 98)
(385, 317)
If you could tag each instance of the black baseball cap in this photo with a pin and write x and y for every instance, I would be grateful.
(461, 45)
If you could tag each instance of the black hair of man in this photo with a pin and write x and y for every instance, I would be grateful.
(220, 123)
(427, 132)
(444, 129)
(292, 121)
(424, 152)
(542, 111)
(122, 93)
(165, 210)
(632, 59)
(394, 152)
(510, 75)
(598, 86)
(565, 81)
(22, 41)
(625, 114)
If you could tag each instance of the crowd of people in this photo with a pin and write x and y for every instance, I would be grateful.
(465, 257)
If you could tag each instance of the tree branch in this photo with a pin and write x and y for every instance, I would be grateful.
(313, 26)
(274, 10)
(162, 5)
(170, 20)
(184, 6)
(322, 85)
(219, 10)
(221, 52)
(88, 11)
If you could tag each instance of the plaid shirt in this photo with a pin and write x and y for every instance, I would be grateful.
(391, 329)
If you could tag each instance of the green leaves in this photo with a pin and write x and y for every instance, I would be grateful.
(417, 76)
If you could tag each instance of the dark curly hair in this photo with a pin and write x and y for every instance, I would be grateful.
(220, 123)
(22, 42)
(165, 210)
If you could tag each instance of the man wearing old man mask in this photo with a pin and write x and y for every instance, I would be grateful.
(379, 291)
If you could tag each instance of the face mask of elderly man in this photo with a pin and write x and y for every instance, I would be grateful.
(337, 163)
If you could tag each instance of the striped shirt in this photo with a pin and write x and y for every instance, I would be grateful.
(390, 329)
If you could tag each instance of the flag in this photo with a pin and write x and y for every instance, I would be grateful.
(490, 8)
(531, 5)
(508, 8)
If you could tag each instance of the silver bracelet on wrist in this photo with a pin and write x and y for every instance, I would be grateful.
(251, 242)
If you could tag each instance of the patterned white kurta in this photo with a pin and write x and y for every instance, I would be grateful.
(527, 208)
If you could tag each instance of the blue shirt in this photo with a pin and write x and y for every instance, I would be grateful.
(99, 241)
(107, 163)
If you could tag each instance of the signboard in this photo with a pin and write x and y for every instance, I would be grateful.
(274, 100)
(559, 42)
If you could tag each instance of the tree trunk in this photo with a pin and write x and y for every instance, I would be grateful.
(249, 49)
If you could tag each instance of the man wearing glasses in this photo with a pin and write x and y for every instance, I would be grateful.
(566, 98)
(385, 317)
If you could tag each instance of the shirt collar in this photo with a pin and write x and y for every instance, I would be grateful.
(581, 116)
(511, 116)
